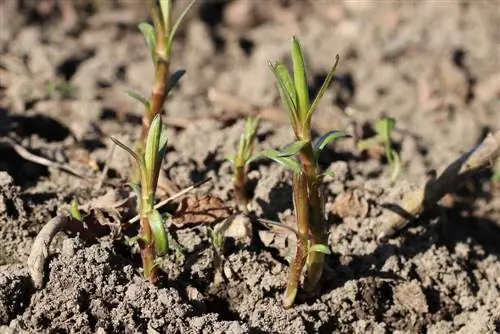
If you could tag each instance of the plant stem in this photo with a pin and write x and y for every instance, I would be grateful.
(317, 233)
(147, 250)
(301, 206)
(239, 183)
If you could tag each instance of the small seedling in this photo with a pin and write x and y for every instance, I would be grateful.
(496, 176)
(302, 158)
(383, 129)
(74, 211)
(217, 240)
(152, 238)
(241, 160)
(159, 38)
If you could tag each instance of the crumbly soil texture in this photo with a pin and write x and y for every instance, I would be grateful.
(431, 65)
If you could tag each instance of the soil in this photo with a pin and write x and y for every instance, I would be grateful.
(431, 65)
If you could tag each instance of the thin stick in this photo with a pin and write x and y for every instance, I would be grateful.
(27, 155)
(173, 197)
(415, 202)
(40, 248)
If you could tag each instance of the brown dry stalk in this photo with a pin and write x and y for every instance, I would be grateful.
(415, 202)
(40, 248)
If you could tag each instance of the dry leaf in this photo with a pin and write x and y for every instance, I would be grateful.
(200, 210)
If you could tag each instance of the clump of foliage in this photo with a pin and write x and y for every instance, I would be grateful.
(382, 139)
(302, 158)
(152, 237)
(241, 160)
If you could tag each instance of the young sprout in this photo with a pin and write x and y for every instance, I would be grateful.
(383, 129)
(217, 240)
(302, 158)
(159, 38)
(74, 211)
(152, 238)
(241, 160)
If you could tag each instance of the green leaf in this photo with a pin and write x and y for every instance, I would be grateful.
(322, 90)
(137, 158)
(293, 148)
(74, 211)
(287, 90)
(158, 230)
(320, 143)
(153, 145)
(177, 24)
(166, 12)
(496, 176)
(319, 248)
(149, 34)
(162, 149)
(300, 79)
(384, 128)
(174, 79)
(288, 162)
(138, 97)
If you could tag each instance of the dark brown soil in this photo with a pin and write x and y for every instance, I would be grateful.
(432, 65)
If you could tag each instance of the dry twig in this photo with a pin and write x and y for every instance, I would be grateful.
(415, 202)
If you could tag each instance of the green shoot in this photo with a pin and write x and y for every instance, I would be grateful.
(496, 176)
(217, 240)
(152, 238)
(159, 38)
(74, 211)
(302, 158)
(383, 129)
(241, 160)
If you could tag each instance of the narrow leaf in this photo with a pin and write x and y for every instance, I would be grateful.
(322, 90)
(319, 248)
(286, 90)
(149, 34)
(166, 13)
(158, 230)
(321, 142)
(300, 79)
(177, 24)
(173, 80)
(288, 162)
(293, 148)
(136, 157)
(162, 149)
(138, 97)
(139, 160)
(152, 144)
